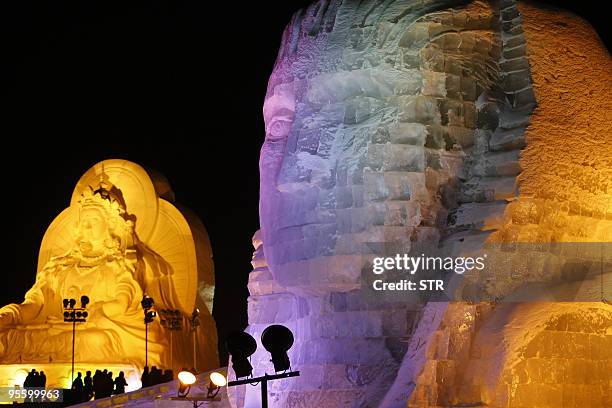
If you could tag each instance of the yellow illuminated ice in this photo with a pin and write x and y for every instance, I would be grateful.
(121, 237)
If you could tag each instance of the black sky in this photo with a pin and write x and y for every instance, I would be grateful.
(172, 85)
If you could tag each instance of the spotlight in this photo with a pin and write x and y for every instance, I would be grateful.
(217, 380)
(66, 302)
(241, 345)
(195, 319)
(147, 302)
(72, 303)
(186, 380)
(79, 314)
(85, 314)
(149, 316)
(277, 340)
(84, 301)
(66, 315)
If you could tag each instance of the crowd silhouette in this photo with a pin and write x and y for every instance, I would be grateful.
(100, 385)
(155, 376)
(35, 379)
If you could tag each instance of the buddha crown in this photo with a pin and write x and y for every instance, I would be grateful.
(103, 197)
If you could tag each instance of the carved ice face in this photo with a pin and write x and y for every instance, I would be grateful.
(365, 124)
(93, 230)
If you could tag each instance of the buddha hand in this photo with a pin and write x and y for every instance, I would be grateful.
(8, 315)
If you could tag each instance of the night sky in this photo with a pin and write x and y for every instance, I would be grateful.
(176, 86)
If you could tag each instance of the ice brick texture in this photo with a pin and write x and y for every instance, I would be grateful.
(541, 354)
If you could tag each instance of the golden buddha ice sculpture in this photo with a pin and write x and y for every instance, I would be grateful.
(120, 238)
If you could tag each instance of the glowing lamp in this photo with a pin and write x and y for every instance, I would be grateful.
(241, 345)
(277, 339)
(187, 377)
(186, 380)
(218, 379)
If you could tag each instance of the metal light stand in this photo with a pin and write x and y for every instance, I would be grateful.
(195, 323)
(73, 315)
(147, 304)
(171, 320)
(264, 383)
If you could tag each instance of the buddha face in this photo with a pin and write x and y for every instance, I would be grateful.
(93, 232)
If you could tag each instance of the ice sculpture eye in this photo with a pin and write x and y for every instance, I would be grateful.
(279, 129)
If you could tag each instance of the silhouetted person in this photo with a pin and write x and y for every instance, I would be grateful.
(88, 389)
(36, 379)
(77, 388)
(105, 386)
(97, 384)
(155, 376)
(29, 379)
(145, 378)
(120, 383)
(108, 384)
(103, 380)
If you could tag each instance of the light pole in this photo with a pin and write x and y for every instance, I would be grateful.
(147, 304)
(173, 321)
(73, 315)
(195, 322)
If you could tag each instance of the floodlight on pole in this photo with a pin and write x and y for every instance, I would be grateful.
(277, 339)
(217, 380)
(186, 380)
(195, 323)
(171, 320)
(84, 301)
(73, 315)
(241, 345)
(147, 304)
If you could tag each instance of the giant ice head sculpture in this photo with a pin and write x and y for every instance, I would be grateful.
(392, 125)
